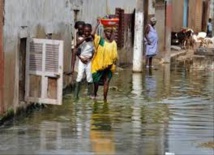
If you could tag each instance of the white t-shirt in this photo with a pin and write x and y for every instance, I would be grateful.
(87, 49)
(209, 26)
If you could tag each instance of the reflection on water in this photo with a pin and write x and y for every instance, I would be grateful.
(158, 111)
(101, 133)
(150, 85)
(137, 84)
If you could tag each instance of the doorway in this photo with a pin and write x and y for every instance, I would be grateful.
(22, 65)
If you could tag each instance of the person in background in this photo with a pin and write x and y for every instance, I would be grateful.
(151, 41)
(85, 51)
(209, 28)
(104, 60)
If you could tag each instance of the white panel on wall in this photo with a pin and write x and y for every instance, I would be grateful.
(45, 68)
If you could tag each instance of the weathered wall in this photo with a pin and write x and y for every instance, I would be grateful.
(211, 15)
(91, 9)
(36, 15)
(160, 15)
(177, 14)
(127, 35)
(41, 16)
(1, 57)
(195, 17)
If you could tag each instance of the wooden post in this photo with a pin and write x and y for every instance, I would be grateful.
(138, 38)
(168, 29)
(1, 57)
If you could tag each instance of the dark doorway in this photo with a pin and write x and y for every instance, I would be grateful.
(22, 65)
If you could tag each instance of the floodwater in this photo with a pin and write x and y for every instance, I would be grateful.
(158, 111)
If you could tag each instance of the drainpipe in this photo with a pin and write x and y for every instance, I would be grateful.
(168, 29)
(138, 37)
(1, 57)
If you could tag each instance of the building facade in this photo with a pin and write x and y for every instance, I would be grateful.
(26, 19)
(1, 57)
(212, 12)
(211, 15)
(190, 13)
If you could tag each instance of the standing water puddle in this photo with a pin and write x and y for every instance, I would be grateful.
(165, 110)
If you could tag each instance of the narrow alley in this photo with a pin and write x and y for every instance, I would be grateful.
(158, 111)
(152, 60)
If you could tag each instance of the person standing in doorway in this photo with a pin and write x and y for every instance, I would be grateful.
(104, 60)
(209, 28)
(85, 51)
(151, 41)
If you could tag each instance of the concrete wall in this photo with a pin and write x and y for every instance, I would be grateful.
(151, 7)
(36, 15)
(212, 12)
(91, 9)
(177, 13)
(211, 15)
(41, 16)
(1, 57)
(160, 15)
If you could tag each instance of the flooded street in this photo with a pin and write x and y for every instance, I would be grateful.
(158, 111)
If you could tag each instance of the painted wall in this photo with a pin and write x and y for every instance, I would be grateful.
(195, 17)
(211, 9)
(185, 14)
(151, 9)
(212, 12)
(41, 16)
(178, 16)
(37, 16)
(160, 26)
(91, 9)
(1, 58)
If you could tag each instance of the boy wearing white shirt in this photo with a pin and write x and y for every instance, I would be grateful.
(85, 51)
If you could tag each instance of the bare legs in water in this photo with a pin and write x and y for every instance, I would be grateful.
(105, 88)
(149, 61)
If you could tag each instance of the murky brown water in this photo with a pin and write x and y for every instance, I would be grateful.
(166, 110)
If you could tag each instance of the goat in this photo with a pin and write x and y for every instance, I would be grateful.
(184, 38)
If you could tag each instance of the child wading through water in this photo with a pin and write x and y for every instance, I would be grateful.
(84, 51)
(104, 60)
